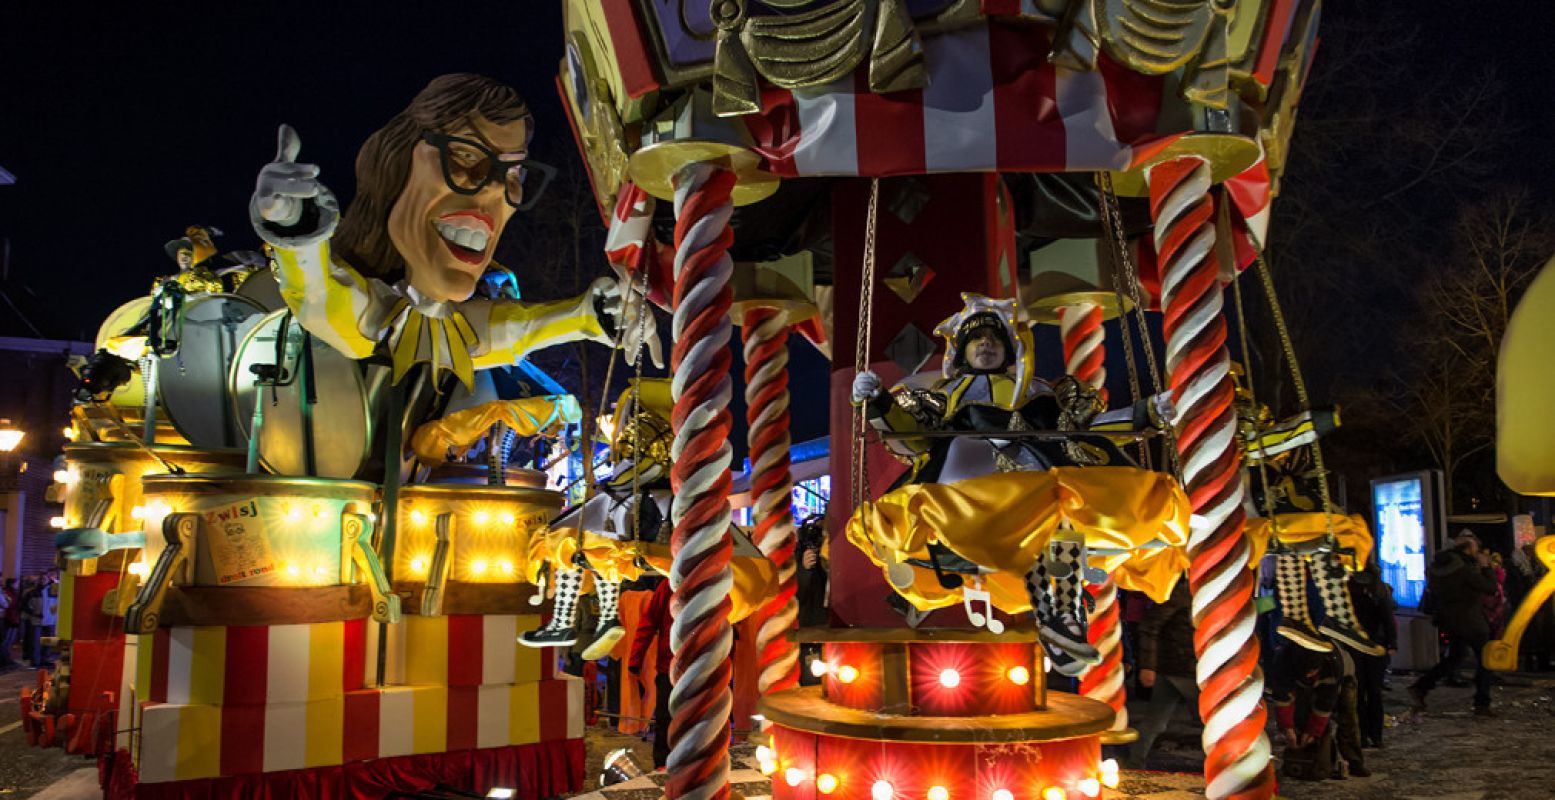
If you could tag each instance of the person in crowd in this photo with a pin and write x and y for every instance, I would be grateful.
(1459, 579)
(10, 621)
(30, 615)
(1166, 665)
(44, 607)
(811, 592)
(1315, 711)
(1374, 609)
(1496, 603)
(655, 624)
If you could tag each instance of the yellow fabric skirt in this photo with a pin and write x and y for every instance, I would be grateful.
(1005, 521)
(1305, 527)
(755, 578)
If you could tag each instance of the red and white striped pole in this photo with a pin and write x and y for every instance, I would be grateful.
(766, 413)
(1084, 339)
(1084, 356)
(1236, 763)
(700, 636)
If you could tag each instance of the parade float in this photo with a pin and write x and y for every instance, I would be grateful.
(297, 545)
(911, 184)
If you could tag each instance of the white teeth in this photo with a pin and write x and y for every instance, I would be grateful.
(462, 236)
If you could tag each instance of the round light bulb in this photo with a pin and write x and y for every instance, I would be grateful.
(950, 678)
(1020, 676)
(1054, 793)
(138, 512)
(509, 519)
(1109, 780)
(481, 518)
(293, 514)
(292, 570)
(57, 522)
(1109, 765)
(764, 753)
(768, 767)
(826, 783)
(418, 517)
(939, 793)
(1090, 787)
(793, 776)
(507, 567)
(320, 512)
(417, 565)
(1002, 794)
(479, 567)
(847, 674)
(819, 668)
(882, 790)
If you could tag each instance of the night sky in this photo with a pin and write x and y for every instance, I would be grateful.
(126, 122)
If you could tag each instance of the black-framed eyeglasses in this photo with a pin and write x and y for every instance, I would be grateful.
(469, 166)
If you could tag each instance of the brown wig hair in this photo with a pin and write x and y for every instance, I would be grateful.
(383, 163)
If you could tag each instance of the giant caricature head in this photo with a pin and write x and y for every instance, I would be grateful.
(436, 186)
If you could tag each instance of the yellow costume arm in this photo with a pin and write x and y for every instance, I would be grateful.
(331, 300)
(507, 329)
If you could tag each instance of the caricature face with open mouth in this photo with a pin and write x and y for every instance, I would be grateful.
(462, 189)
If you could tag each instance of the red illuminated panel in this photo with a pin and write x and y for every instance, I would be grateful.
(970, 680)
(862, 663)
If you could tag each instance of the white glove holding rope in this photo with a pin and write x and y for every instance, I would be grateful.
(866, 386)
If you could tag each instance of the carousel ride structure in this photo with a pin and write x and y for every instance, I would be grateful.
(735, 145)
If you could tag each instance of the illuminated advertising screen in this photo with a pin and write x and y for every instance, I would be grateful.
(1399, 509)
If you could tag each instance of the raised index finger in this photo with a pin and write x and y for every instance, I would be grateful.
(287, 143)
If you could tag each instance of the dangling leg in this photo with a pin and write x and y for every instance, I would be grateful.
(1066, 601)
(561, 631)
(608, 631)
(1290, 577)
(1041, 594)
(1339, 620)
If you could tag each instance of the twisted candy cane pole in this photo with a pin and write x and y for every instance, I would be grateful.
(1079, 325)
(700, 636)
(1104, 681)
(1236, 762)
(766, 412)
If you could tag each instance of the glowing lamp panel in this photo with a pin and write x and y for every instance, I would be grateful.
(866, 770)
(248, 540)
(854, 676)
(488, 540)
(971, 680)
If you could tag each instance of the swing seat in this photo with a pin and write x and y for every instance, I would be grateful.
(1002, 523)
(1306, 533)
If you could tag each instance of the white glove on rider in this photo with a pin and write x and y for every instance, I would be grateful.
(866, 386)
(1164, 409)
(628, 317)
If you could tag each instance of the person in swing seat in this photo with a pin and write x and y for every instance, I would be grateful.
(987, 387)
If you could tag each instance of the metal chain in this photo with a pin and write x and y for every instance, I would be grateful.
(866, 321)
(1252, 397)
(1116, 252)
(1267, 279)
(1110, 200)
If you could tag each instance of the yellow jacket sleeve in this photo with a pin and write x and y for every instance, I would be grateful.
(331, 300)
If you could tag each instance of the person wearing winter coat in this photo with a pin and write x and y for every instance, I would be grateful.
(1459, 580)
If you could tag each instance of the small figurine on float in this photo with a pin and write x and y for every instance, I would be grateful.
(986, 387)
(396, 272)
(598, 537)
(1305, 539)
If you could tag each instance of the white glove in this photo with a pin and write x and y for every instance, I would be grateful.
(628, 317)
(285, 186)
(866, 386)
(1165, 410)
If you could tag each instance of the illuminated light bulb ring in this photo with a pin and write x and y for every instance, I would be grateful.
(1236, 748)
(949, 678)
(767, 418)
(700, 636)
(1104, 680)
(938, 793)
